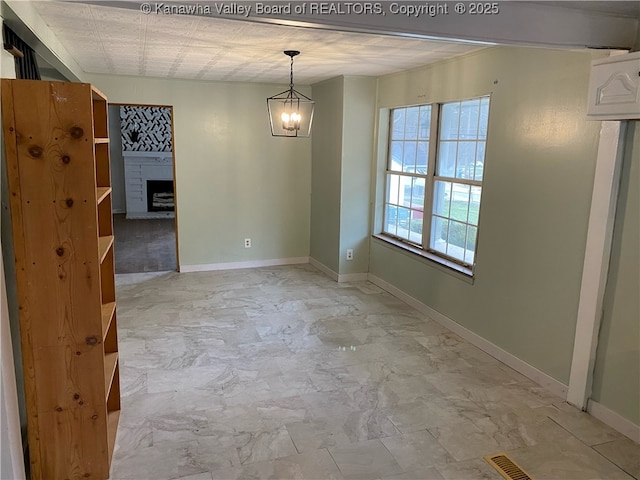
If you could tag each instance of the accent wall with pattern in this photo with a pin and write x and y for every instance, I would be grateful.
(146, 129)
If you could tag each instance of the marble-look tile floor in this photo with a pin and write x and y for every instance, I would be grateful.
(282, 373)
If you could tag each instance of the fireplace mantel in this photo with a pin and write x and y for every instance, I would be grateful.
(139, 167)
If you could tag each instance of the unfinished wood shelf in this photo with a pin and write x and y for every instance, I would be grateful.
(108, 312)
(104, 245)
(110, 363)
(112, 427)
(102, 192)
(57, 155)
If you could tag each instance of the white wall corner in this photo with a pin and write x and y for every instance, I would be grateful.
(554, 386)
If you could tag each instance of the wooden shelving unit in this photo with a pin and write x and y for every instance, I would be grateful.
(57, 154)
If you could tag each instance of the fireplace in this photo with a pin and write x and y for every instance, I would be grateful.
(149, 185)
(160, 196)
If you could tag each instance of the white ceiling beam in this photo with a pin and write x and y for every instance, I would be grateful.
(517, 23)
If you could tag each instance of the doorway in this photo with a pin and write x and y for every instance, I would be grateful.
(142, 161)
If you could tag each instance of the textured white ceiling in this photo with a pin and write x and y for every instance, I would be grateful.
(126, 42)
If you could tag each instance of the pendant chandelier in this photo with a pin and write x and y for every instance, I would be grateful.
(290, 112)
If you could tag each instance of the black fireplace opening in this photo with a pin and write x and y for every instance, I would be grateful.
(160, 196)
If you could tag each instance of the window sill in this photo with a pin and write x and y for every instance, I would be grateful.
(443, 264)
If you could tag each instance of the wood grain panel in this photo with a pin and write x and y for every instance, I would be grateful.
(67, 376)
(80, 438)
(55, 159)
(56, 223)
(26, 339)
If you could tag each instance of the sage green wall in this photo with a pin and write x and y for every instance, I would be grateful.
(233, 179)
(325, 172)
(341, 171)
(357, 154)
(539, 173)
(616, 381)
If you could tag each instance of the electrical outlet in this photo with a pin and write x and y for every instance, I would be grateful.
(349, 253)
(247, 243)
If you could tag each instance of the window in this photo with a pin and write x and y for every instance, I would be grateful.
(434, 176)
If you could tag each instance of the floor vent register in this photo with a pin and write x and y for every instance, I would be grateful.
(507, 467)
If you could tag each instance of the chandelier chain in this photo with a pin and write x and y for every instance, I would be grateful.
(291, 76)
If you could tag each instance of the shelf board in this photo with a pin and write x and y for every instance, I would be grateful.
(102, 193)
(97, 94)
(110, 362)
(112, 427)
(108, 309)
(104, 244)
(99, 140)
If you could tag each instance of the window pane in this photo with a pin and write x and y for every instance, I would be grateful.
(404, 191)
(411, 124)
(449, 122)
(393, 192)
(391, 219)
(417, 194)
(398, 124)
(456, 239)
(415, 227)
(409, 163)
(447, 158)
(469, 257)
(474, 205)
(459, 202)
(403, 222)
(395, 162)
(439, 228)
(466, 159)
(424, 128)
(480, 160)
(422, 158)
(484, 118)
(469, 112)
(442, 198)
(472, 233)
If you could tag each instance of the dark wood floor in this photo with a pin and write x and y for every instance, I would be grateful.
(144, 245)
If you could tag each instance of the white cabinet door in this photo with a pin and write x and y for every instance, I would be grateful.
(614, 88)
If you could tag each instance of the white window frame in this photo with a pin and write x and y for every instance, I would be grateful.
(430, 178)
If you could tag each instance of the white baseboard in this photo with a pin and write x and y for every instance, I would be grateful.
(614, 420)
(337, 277)
(352, 277)
(238, 265)
(149, 215)
(324, 269)
(550, 383)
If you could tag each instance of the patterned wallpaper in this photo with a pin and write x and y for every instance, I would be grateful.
(146, 129)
